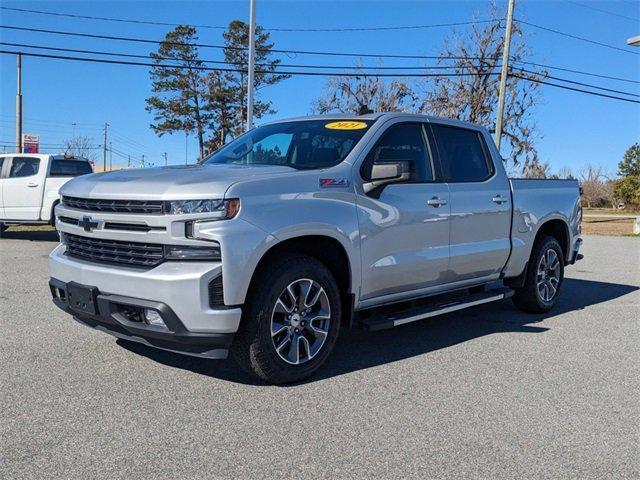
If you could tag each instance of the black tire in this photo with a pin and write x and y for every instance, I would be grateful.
(52, 220)
(253, 348)
(529, 298)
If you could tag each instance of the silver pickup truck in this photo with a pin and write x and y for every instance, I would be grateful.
(301, 227)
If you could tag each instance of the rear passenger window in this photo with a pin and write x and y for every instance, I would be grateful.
(401, 142)
(24, 167)
(69, 168)
(461, 154)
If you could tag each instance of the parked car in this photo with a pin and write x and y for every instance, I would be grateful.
(301, 227)
(30, 184)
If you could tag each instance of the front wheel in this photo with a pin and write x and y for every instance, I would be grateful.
(544, 277)
(291, 320)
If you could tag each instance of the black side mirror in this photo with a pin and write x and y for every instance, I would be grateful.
(386, 173)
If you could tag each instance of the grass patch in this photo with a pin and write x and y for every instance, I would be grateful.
(30, 228)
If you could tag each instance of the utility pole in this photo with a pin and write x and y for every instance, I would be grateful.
(186, 147)
(128, 161)
(104, 149)
(165, 158)
(19, 105)
(142, 160)
(252, 60)
(504, 72)
(110, 157)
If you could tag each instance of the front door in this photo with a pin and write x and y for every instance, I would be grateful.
(480, 203)
(404, 232)
(22, 189)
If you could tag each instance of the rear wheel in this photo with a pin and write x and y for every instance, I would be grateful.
(544, 277)
(291, 320)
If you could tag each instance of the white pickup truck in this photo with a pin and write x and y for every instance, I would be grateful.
(29, 186)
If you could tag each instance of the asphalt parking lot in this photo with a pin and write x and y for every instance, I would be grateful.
(487, 393)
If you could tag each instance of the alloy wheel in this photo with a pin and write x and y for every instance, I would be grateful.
(548, 278)
(300, 321)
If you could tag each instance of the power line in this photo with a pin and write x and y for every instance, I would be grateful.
(354, 73)
(334, 74)
(575, 37)
(128, 141)
(579, 83)
(223, 47)
(580, 72)
(289, 65)
(274, 29)
(565, 87)
(368, 55)
(221, 62)
(584, 5)
(223, 69)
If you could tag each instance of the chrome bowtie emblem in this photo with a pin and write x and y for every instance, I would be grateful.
(87, 223)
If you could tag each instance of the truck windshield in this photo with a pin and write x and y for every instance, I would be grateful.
(306, 144)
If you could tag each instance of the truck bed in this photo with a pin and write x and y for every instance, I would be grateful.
(536, 201)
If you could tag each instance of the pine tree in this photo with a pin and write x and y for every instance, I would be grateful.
(229, 89)
(629, 166)
(181, 100)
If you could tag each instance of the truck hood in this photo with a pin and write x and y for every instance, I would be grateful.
(167, 183)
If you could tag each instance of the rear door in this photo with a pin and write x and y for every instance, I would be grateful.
(22, 188)
(480, 203)
(404, 229)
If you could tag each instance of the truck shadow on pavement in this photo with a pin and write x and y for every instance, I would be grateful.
(32, 235)
(357, 349)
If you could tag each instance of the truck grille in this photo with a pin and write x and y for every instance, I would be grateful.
(113, 251)
(153, 207)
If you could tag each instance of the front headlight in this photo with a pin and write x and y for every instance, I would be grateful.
(218, 208)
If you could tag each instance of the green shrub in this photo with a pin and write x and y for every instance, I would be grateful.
(627, 189)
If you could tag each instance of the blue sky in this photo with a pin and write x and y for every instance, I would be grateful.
(575, 129)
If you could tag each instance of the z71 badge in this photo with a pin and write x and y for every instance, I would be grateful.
(333, 182)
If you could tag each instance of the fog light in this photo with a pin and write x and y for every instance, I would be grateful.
(152, 317)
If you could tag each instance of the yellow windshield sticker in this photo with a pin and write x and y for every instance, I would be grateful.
(346, 125)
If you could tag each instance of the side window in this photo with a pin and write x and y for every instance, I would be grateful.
(1, 164)
(24, 167)
(69, 168)
(402, 142)
(461, 154)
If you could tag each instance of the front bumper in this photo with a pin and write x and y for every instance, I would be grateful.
(177, 290)
(182, 286)
(123, 317)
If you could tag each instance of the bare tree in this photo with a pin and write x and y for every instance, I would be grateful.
(81, 146)
(538, 170)
(597, 187)
(565, 173)
(471, 93)
(351, 94)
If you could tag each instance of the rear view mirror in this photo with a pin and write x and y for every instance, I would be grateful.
(385, 173)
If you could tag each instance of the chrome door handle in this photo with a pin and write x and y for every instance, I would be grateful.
(32, 184)
(499, 199)
(436, 202)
